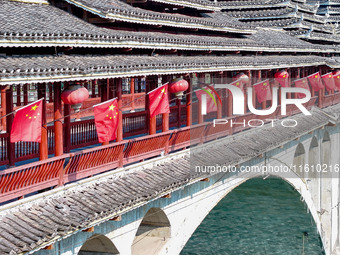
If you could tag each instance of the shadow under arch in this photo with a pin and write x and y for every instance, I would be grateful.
(326, 191)
(299, 160)
(313, 173)
(257, 217)
(98, 245)
(153, 233)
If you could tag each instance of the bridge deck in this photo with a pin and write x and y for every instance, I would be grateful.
(87, 203)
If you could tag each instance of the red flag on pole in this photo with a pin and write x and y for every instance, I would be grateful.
(238, 83)
(315, 81)
(159, 101)
(302, 83)
(336, 76)
(210, 98)
(262, 90)
(328, 81)
(106, 120)
(27, 123)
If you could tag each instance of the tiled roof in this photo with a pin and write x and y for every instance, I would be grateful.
(262, 14)
(30, 69)
(196, 4)
(31, 226)
(251, 4)
(44, 25)
(279, 23)
(118, 10)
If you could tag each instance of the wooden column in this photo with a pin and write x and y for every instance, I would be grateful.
(67, 126)
(26, 94)
(289, 84)
(18, 95)
(259, 78)
(254, 75)
(150, 85)
(230, 97)
(297, 76)
(119, 89)
(188, 102)
(179, 105)
(248, 85)
(105, 85)
(219, 104)
(50, 94)
(201, 77)
(225, 94)
(321, 91)
(165, 116)
(93, 89)
(3, 107)
(58, 125)
(43, 146)
(9, 122)
(132, 92)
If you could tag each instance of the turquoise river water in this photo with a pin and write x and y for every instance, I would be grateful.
(264, 217)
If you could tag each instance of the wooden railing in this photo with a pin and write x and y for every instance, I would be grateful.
(83, 133)
(22, 180)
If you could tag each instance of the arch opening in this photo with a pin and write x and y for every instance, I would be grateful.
(299, 160)
(152, 234)
(257, 217)
(314, 175)
(98, 245)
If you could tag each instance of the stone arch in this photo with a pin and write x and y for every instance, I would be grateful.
(299, 160)
(326, 191)
(313, 175)
(98, 245)
(152, 234)
(296, 183)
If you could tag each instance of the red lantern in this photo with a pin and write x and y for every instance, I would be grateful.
(336, 76)
(282, 77)
(178, 86)
(241, 76)
(75, 95)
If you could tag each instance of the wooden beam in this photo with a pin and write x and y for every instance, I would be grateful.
(117, 218)
(49, 247)
(167, 196)
(91, 229)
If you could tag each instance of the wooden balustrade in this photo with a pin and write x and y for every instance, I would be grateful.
(146, 147)
(83, 133)
(22, 180)
(93, 161)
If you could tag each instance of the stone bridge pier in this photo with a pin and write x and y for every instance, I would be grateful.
(163, 225)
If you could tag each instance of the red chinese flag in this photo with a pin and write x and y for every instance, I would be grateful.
(239, 83)
(336, 76)
(302, 83)
(209, 95)
(263, 91)
(106, 120)
(159, 101)
(315, 81)
(328, 80)
(27, 123)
